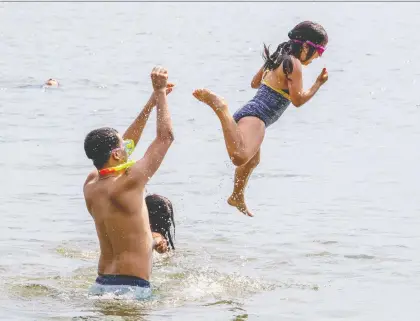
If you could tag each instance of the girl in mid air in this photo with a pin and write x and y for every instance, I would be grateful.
(279, 82)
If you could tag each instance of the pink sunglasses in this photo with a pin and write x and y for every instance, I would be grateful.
(320, 49)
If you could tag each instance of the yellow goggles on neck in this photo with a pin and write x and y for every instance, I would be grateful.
(129, 146)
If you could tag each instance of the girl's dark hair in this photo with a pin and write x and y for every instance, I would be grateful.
(304, 31)
(161, 216)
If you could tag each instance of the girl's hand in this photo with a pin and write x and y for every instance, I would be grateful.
(161, 246)
(323, 77)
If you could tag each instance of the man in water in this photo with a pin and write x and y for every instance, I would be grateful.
(51, 83)
(114, 195)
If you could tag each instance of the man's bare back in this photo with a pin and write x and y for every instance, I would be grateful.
(122, 225)
(114, 193)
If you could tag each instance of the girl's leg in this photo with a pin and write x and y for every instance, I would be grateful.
(242, 140)
(242, 175)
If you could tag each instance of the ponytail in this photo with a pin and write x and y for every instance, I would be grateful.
(281, 55)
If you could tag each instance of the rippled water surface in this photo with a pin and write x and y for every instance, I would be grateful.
(336, 229)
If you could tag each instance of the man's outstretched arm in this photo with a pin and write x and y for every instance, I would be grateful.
(146, 167)
(135, 130)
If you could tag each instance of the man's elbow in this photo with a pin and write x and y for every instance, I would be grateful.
(167, 137)
(171, 136)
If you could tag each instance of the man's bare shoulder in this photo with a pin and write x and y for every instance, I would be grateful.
(87, 188)
(131, 180)
(93, 175)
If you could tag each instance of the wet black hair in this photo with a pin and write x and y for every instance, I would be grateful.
(304, 31)
(161, 216)
(99, 144)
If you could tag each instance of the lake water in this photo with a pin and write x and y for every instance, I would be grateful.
(336, 229)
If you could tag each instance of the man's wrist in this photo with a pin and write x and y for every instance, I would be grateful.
(151, 102)
(160, 91)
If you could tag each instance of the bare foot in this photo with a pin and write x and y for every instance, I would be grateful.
(239, 203)
(217, 103)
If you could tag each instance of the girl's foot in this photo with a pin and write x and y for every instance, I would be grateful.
(238, 201)
(217, 103)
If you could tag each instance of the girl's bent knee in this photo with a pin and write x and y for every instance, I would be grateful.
(239, 160)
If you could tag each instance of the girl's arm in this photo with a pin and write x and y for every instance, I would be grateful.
(256, 81)
(297, 95)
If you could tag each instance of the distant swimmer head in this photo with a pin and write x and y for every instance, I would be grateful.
(307, 42)
(106, 148)
(51, 83)
(161, 216)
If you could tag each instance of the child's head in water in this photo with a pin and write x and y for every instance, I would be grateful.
(307, 42)
(161, 216)
(51, 83)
